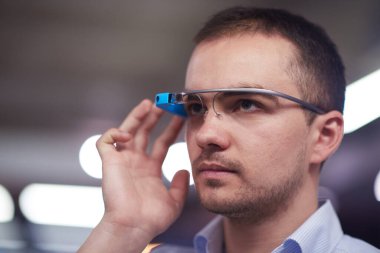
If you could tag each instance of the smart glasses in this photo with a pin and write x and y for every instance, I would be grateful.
(230, 101)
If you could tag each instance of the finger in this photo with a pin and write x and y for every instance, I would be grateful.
(161, 145)
(106, 142)
(136, 117)
(180, 187)
(141, 138)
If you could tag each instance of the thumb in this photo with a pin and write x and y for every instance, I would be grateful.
(180, 187)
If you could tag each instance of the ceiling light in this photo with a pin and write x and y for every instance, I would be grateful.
(177, 159)
(377, 187)
(362, 102)
(89, 157)
(63, 205)
(7, 208)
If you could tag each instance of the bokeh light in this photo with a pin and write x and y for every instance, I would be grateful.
(177, 159)
(89, 157)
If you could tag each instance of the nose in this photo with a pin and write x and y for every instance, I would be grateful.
(213, 133)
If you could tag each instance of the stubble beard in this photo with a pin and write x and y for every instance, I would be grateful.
(251, 203)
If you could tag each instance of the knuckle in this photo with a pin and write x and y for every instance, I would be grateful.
(99, 143)
(106, 137)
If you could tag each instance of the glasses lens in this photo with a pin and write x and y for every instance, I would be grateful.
(193, 105)
(242, 105)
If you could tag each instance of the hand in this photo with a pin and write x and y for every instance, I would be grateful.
(136, 200)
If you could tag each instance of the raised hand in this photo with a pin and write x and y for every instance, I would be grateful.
(138, 206)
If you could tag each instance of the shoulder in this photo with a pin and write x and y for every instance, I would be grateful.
(350, 244)
(167, 248)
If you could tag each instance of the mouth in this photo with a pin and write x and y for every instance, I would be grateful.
(214, 170)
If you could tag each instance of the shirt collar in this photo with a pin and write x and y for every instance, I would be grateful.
(210, 238)
(321, 232)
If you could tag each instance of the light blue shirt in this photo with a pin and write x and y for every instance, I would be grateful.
(320, 233)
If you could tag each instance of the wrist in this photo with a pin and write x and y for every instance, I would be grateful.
(118, 228)
(110, 236)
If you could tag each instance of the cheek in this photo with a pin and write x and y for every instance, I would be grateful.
(270, 151)
(192, 147)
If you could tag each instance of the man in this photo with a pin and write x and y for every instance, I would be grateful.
(264, 101)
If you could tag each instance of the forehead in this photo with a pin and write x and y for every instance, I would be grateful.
(240, 61)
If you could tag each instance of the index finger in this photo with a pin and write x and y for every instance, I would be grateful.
(136, 117)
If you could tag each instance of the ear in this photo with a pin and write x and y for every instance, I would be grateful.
(327, 136)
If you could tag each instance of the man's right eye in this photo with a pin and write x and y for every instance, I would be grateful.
(195, 109)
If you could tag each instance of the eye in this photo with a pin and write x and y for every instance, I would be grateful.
(195, 109)
(246, 105)
(194, 105)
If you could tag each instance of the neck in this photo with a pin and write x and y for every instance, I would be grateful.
(265, 236)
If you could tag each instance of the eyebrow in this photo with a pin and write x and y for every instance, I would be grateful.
(275, 99)
(249, 85)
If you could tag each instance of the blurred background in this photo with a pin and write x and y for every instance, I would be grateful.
(72, 69)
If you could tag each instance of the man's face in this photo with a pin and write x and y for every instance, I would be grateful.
(247, 168)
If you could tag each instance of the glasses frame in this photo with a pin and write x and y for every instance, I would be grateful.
(173, 102)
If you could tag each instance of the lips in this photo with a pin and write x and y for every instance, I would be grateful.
(214, 168)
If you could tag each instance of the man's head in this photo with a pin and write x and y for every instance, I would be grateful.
(254, 159)
(316, 67)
